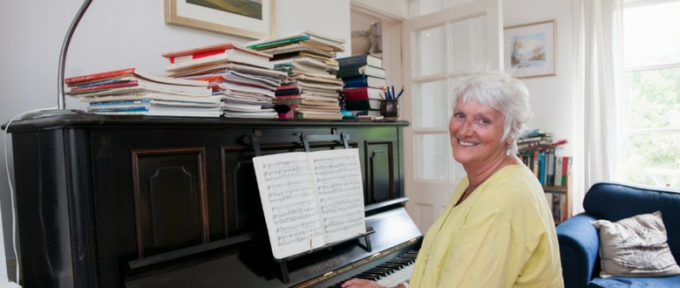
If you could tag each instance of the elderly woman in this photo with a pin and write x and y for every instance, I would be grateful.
(497, 230)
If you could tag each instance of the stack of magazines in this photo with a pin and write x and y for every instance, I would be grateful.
(135, 92)
(307, 57)
(243, 78)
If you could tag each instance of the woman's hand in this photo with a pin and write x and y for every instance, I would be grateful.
(360, 283)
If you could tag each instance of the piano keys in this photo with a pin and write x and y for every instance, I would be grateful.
(389, 273)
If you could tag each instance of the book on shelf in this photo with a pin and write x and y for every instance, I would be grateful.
(362, 93)
(310, 199)
(534, 138)
(364, 81)
(534, 133)
(557, 180)
(205, 51)
(360, 60)
(541, 167)
(367, 104)
(365, 70)
(557, 202)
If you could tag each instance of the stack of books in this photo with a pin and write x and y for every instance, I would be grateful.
(311, 91)
(363, 78)
(533, 139)
(135, 92)
(243, 78)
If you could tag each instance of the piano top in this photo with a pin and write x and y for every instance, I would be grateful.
(131, 121)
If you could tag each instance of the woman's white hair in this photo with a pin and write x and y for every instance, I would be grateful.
(499, 91)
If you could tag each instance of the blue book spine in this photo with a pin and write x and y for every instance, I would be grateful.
(125, 102)
(541, 168)
(355, 82)
(354, 61)
(109, 81)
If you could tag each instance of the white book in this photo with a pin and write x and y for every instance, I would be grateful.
(143, 87)
(217, 59)
(310, 199)
(155, 96)
(558, 171)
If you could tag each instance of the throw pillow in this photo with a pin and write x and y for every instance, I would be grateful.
(635, 247)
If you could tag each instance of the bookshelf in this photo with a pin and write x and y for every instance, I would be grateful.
(541, 154)
(546, 166)
(560, 205)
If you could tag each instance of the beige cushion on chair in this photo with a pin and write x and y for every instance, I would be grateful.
(635, 247)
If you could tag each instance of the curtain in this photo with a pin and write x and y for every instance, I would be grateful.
(597, 82)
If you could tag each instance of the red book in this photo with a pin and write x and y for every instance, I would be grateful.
(288, 97)
(200, 52)
(292, 86)
(362, 93)
(102, 75)
(105, 86)
(95, 79)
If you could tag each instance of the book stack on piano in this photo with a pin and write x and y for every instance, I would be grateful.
(135, 92)
(242, 77)
(363, 78)
(311, 91)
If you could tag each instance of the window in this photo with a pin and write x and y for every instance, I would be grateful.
(650, 113)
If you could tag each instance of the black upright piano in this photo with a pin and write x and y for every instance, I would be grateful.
(111, 201)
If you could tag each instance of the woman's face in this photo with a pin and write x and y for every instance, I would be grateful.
(476, 131)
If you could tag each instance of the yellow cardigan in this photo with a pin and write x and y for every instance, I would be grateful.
(502, 235)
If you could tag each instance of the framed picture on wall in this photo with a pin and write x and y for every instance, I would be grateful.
(530, 49)
(253, 19)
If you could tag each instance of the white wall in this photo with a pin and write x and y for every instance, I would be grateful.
(551, 96)
(113, 34)
(396, 8)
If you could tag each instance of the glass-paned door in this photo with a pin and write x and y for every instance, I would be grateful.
(437, 47)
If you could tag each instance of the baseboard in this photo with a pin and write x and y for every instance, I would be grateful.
(10, 285)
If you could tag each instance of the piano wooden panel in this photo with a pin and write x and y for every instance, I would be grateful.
(98, 196)
(171, 208)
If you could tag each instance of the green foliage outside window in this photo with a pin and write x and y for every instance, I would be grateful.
(652, 146)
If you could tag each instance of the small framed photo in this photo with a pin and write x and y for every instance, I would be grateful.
(530, 49)
(253, 19)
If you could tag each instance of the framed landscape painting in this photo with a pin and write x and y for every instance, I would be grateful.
(253, 19)
(530, 49)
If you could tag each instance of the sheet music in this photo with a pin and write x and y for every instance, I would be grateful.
(310, 199)
(340, 189)
(289, 202)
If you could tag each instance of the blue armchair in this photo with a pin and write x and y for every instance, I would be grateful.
(579, 240)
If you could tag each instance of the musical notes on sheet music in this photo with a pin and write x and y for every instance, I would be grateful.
(340, 188)
(310, 199)
(292, 199)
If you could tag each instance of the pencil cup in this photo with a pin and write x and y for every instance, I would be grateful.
(389, 109)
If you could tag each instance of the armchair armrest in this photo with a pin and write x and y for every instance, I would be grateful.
(579, 245)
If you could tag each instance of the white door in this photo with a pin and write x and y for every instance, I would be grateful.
(436, 47)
